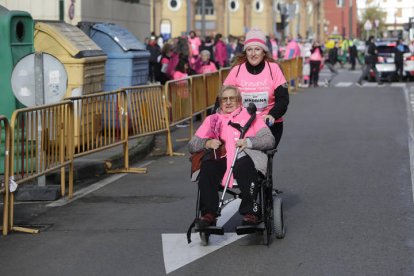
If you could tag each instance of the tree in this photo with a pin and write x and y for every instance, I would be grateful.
(372, 14)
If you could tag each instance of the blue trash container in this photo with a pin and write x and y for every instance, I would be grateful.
(128, 59)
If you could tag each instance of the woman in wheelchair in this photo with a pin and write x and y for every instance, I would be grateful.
(220, 140)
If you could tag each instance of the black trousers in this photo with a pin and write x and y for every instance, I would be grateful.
(315, 66)
(399, 67)
(211, 173)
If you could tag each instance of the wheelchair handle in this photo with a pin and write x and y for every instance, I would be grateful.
(251, 109)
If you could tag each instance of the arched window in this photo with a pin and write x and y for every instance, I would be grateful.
(208, 7)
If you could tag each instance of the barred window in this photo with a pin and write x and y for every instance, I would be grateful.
(208, 7)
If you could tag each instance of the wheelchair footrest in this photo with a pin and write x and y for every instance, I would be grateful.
(249, 229)
(213, 230)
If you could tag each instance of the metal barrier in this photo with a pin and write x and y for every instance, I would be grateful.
(41, 142)
(224, 72)
(299, 69)
(178, 95)
(100, 121)
(4, 187)
(292, 70)
(102, 124)
(213, 85)
(147, 115)
(199, 95)
(146, 110)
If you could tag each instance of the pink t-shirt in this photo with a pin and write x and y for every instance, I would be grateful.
(179, 75)
(258, 89)
(292, 50)
(207, 68)
(195, 45)
(316, 55)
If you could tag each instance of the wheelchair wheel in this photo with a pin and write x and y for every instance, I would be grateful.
(204, 238)
(278, 222)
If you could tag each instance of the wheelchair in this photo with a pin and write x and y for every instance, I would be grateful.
(271, 221)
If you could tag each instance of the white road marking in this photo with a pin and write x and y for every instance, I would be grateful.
(178, 253)
(87, 190)
(411, 132)
(370, 84)
(343, 84)
(397, 84)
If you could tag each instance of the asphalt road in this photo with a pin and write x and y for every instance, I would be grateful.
(344, 167)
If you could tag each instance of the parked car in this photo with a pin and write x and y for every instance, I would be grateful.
(409, 66)
(386, 63)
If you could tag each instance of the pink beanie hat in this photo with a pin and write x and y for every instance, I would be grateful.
(255, 37)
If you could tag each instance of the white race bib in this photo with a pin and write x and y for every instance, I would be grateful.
(260, 99)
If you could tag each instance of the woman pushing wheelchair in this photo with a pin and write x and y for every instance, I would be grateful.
(232, 143)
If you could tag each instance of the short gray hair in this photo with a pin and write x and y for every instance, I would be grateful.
(231, 87)
(205, 52)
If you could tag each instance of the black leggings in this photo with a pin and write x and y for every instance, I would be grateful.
(211, 173)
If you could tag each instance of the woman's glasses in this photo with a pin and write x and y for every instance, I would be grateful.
(231, 99)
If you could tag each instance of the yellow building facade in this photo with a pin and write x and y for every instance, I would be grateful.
(178, 17)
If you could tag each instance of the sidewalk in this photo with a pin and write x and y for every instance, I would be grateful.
(88, 169)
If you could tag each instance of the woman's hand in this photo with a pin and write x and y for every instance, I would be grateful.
(269, 120)
(213, 144)
(241, 143)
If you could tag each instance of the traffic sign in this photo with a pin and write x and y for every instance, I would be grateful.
(368, 25)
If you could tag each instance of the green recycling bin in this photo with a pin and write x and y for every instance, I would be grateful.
(16, 33)
(16, 41)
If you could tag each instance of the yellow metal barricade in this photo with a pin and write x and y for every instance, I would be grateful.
(224, 72)
(103, 121)
(178, 95)
(41, 142)
(293, 73)
(4, 186)
(299, 67)
(213, 85)
(199, 95)
(146, 110)
(285, 67)
(104, 125)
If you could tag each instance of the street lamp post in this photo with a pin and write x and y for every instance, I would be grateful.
(228, 17)
(343, 17)
(203, 18)
(189, 16)
(350, 17)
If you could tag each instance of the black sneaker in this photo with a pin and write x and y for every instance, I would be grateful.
(381, 84)
(359, 84)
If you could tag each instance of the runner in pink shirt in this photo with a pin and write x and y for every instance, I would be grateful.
(261, 81)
